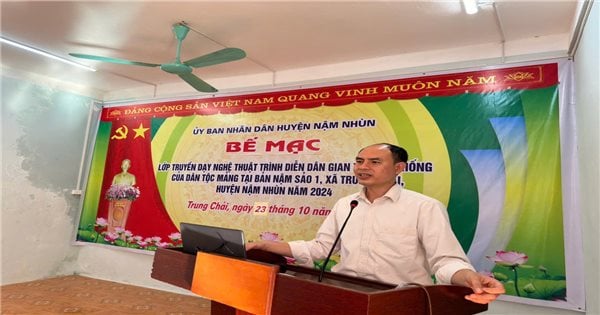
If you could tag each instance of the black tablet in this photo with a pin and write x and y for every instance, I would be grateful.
(212, 239)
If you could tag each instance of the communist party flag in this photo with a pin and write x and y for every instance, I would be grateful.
(130, 139)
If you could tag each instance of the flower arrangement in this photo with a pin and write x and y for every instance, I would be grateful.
(120, 192)
(511, 260)
(175, 239)
(527, 281)
(270, 236)
(98, 233)
(508, 258)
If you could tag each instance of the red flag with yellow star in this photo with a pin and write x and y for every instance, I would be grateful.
(147, 216)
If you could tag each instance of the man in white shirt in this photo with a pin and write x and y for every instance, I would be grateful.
(394, 235)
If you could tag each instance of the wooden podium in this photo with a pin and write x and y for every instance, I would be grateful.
(263, 284)
(244, 285)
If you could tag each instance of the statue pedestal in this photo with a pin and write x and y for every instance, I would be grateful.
(118, 211)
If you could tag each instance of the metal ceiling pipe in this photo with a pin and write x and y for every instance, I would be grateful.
(586, 8)
(500, 30)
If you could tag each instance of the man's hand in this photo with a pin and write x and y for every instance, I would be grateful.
(485, 289)
(253, 245)
(280, 248)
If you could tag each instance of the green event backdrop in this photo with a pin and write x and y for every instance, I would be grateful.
(492, 156)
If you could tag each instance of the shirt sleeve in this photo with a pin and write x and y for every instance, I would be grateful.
(301, 252)
(443, 251)
(305, 252)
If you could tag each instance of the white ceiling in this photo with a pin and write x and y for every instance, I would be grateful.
(287, 42)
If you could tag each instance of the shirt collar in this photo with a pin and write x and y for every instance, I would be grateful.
(392, 194)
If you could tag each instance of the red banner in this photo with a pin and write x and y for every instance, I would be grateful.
(527, 77)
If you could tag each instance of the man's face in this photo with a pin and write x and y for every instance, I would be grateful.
(374, 167)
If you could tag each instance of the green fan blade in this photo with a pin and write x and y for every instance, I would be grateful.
(217, 57)
(197, 83)
(115, 60)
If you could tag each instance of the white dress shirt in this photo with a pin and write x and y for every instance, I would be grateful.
(402, 237)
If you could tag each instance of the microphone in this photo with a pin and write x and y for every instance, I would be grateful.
(353, 205)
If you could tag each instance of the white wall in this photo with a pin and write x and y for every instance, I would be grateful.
(42, 141)
(41, 147)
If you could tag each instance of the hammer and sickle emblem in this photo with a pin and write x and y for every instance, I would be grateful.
(120, 133)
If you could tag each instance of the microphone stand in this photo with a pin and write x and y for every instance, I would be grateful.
(353, 205)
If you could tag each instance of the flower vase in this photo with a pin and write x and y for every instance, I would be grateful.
(118, 211)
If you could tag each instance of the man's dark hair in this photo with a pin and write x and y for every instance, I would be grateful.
(398, 153)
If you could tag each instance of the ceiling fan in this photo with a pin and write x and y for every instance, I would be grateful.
(182, 69)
